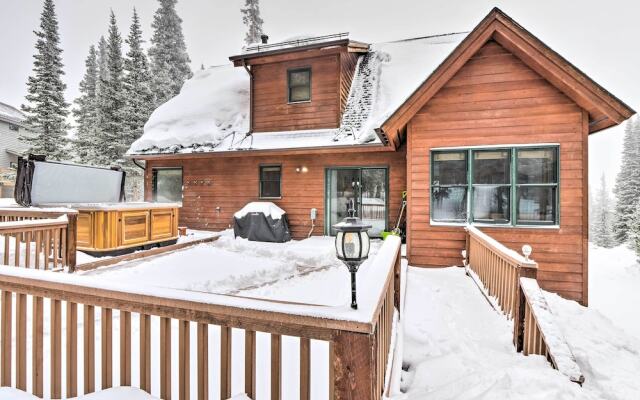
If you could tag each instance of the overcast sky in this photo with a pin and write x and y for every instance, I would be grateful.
(600, 37)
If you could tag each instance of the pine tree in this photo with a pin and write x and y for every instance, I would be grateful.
(111, 100)
(253, 22)
(602, 223)
(86, 113)
(634, 230)
(46, 108)
(139, 97)
(627, 188)
(168, 53)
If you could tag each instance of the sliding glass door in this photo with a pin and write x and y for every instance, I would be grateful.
(366, 188)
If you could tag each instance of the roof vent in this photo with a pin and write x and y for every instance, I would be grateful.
(264, 38)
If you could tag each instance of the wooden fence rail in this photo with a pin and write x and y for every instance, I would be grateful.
(508, 279)
(357, 347)
(38, 239)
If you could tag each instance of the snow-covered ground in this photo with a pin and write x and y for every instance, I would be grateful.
(457, 347)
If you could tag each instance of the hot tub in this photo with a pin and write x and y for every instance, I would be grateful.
(118, 228)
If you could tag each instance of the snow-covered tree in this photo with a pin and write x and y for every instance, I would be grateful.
(168, 53)
(46, 108)
(86, 113)
(137, 84)
(251, 19)
(634, 230)
(602, 221)
(111, 100)
(627, 188)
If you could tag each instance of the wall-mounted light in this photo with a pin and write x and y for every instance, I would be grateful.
(302, 169)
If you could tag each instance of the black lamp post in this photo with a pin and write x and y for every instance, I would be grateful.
(352, 247)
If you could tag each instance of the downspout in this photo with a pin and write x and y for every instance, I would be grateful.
(138, 165)
(246, 68)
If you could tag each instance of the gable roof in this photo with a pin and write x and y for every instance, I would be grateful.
(11, 114)
(605, 110)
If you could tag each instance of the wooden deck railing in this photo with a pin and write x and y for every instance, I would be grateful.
(358, 341)
(38, 239)
(508, 279)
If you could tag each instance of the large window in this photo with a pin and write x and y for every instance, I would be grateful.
(167, 185)
(504, 186)
(299, 84)
(270, 181)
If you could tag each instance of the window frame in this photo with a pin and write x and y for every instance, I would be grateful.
(289, 72)
(465, 185)
(260, 196)
(154, 181)
(513, 223)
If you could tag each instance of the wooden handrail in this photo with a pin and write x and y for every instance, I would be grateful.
(359, 341)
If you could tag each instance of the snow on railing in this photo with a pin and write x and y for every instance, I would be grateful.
(508, 281)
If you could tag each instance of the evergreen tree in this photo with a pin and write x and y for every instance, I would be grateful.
(168, 53)
(139, 97)
(634, 230)
(627, 188)
(86, 113)
(111, 100)
(46, 108)
(253, 22)
(602, 223)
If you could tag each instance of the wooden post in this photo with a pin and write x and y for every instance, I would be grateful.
(354, 366)
(72, 231)
(529, 270)
(397, 272)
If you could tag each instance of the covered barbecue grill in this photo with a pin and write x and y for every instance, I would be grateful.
(262, 222)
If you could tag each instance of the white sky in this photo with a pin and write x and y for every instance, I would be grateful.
(599, 37)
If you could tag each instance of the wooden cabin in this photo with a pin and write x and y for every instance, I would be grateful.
(487, 128)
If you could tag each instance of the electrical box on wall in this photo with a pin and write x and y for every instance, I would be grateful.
(314, 213)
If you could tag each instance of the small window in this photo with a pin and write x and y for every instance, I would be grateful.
(167, 185)
(537, 186)
(449, 186)
(299, 83)
(270, 182)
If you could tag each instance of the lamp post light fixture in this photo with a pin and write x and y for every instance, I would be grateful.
(352, 247)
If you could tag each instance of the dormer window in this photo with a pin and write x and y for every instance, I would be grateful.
(299, 83)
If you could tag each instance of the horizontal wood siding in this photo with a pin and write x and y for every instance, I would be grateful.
(231, 182)
(271, 110)
(496, 99)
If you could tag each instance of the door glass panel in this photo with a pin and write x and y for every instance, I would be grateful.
(374, 199)
(367, 188)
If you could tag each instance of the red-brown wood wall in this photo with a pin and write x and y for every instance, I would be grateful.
(495, 99)
(234, 182)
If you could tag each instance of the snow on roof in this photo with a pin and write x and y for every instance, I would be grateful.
(10, 113)
(293, 41)
(211, 113)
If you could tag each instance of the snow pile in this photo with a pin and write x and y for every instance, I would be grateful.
(262, 207)
(123, 392)
(553, 337)
(457, 347)
(211, 105)
(10, 113)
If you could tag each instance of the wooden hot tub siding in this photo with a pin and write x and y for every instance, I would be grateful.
(495, 99)
(111, 231)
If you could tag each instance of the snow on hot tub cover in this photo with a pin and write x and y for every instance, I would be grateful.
(211, 113)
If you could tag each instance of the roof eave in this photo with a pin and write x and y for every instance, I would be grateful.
(352, 45)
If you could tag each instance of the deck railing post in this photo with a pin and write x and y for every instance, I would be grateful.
(354, 366)
(397, 272)
(72, 229)
(524, 270)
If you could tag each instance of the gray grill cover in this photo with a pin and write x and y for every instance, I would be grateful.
(259, 227)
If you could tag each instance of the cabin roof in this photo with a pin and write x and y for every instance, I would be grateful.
(11, 114)
(393, 80)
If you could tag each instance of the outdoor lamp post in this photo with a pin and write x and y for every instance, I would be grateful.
(352, 247)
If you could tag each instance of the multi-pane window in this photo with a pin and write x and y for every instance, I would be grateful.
(505, 186)
(299, 84)
(270, 181)
(167, 184)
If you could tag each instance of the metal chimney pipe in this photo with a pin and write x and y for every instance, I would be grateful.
(264, 38)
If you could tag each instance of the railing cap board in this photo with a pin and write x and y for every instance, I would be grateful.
(39, 212)
(33, 224)
(313, 321)
(500, 249)
(559, 351)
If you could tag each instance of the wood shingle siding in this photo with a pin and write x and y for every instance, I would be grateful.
(495, 99)
(234, 183)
